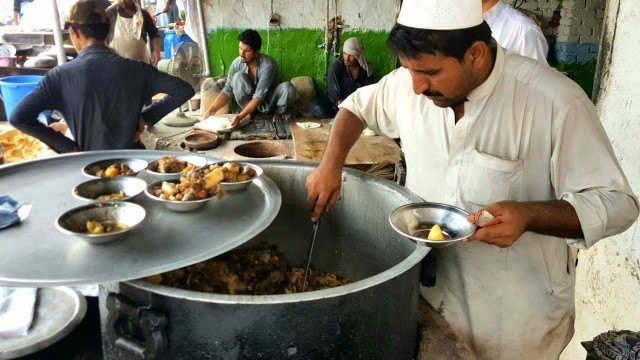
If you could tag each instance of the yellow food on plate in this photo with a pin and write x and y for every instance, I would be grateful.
(213, 178)
(435, 233)
(97, 227)
(169, 189)
(94, 227)
(234, 172)
(115, 170)
(198, 184)
(111, 171)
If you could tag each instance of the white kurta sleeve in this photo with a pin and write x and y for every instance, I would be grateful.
(528, 40)
(375, 104)
(586, 173)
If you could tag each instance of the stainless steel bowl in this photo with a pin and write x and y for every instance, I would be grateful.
(196, 161)
(239, 185)
(174, 205)
(136, 165)
(92, 189)
(416, 220)
(74, 221)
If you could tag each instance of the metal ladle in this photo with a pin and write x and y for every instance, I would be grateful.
(314, 232)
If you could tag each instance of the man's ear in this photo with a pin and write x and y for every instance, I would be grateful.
(74, 36)
(73, 31)
(477, 52)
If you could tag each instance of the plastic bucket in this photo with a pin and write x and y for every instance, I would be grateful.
(180, 39)
(15, 88)
(169, 43)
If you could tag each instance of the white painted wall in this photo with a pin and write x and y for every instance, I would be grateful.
(359, 13)
(299, 14)
(608, 274)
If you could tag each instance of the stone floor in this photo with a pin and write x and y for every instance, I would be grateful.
(436, 339)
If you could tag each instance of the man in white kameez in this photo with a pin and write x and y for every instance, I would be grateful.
(483, 128)
(515, 31)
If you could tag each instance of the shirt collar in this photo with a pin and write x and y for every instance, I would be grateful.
(490, 83)
(93, 49)
(493, 13)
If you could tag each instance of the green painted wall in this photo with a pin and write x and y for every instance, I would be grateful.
(298, 52)
(583, 74)
(301, 52)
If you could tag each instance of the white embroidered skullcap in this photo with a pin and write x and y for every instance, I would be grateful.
(440, 14)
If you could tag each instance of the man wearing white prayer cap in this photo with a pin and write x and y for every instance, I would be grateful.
(344, 76)
(487, 129)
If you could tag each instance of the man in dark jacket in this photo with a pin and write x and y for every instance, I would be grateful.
(100, 94)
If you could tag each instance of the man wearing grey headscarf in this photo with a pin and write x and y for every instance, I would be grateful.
(344, 76)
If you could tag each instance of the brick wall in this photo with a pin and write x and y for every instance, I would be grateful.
(581, 21)
(574, 40)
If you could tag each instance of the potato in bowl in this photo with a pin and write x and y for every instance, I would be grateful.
(101, 222)
(237, 175)
(109, 168)
(191, 192)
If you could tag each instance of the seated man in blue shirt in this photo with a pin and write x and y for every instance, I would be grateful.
(344, 76)
(254, 82)
(100, 94)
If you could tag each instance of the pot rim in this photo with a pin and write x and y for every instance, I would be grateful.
(414, 258)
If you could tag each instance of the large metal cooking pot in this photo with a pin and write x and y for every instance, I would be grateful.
(375, 317)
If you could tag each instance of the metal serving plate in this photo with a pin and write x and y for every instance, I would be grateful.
(39, 255)
(58, 311)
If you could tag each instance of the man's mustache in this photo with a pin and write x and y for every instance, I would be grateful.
(431, 93)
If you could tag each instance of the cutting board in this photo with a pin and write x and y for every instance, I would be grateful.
(309, 145)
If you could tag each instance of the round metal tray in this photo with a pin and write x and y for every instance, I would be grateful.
(58, 311)
(38, 255)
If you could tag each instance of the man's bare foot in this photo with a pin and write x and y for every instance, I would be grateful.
(282, 117)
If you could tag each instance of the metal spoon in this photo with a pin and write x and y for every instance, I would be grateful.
(314, 231)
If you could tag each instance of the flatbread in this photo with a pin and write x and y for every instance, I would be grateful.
(216, 123)
(308, 125)
(18, 146)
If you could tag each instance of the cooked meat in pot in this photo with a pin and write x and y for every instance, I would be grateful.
(257, 270)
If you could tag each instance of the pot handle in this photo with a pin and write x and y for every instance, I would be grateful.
(428, 272)
(136, 329)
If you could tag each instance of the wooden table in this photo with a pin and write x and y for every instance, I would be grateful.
(309, 145)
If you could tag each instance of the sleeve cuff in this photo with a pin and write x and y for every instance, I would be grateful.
(228, 93)
(592, 216)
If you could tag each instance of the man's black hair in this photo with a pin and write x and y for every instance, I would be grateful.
(411, 42)
(252, 38)
(95, 29)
